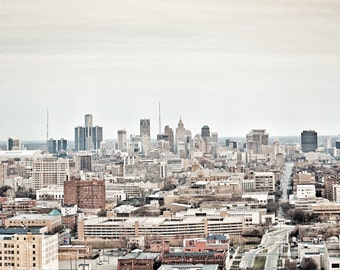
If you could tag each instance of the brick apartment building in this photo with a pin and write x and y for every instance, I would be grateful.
(87, 194)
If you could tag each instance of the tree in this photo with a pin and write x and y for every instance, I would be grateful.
(308, 264)
(290, 265)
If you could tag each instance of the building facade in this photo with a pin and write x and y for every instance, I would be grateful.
(122, 142)
(88, 137)
(87, 194)
(49, 171)
(28, 251)
(309, 141)
(144, 127)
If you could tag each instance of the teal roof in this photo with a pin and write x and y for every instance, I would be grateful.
(55, 212)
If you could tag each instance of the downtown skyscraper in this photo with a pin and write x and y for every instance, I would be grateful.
(88, 137)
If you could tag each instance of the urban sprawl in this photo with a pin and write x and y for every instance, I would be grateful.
(181, 201)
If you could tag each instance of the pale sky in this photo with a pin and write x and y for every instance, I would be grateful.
(233, 65)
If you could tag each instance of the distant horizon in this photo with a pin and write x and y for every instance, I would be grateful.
(271, 137)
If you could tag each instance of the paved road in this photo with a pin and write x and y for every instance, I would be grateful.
(275, 242)
(285, 181)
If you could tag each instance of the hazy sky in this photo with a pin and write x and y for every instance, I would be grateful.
(233, 65)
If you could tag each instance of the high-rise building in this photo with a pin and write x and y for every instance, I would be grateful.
(9, 144)
(144, 127)
(79, 139)
(49, 172)
(122, 143)
(97, 136)
(205, 133)
(88, 137)
(28, 250)
(309, 141)
(182, 137)
(168, 131)
(87, 194)
(84, 163)
(62, 145)
(13, 144)
(214, 137)
(255, 139)
(52, 146)
(88, 132)
(3, 173)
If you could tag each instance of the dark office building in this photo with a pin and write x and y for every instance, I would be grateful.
(168, 130)
(52, 146)
(97, 136)
(86, 163)
(88, 137)
(79, 139)
(62, 145)
(144, 127)
(337, 145)
(9, 144)
(205, 133)
(309, 141)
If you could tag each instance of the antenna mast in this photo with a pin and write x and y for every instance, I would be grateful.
(47, 131)
(159, 114)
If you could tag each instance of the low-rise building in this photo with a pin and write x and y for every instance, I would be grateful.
(139, 260)
(52, 222)
(28, 251)
(50, 193)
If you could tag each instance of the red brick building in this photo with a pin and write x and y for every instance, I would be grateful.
(87, 194)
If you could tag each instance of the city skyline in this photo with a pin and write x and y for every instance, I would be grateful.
(234, 66)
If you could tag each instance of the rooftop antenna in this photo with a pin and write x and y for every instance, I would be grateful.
(159, 115)
(47, 131)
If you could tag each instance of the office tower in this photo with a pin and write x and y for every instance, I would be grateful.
(49, 171)
(9, 144)
(205, 133)
(329, 182)
(79, 139)
(122, 143)
(88, 132)
(87, 194)
(144, 127)
(264, 181)
(309, 141)
(52, 146)
(83, 163)
(13, 144)
(28, 250)
(183, 138)
(3, 173)
(168, 131)
(97, 137)
(255, 139)
(88, 137)
(62, 145)
(214, 137)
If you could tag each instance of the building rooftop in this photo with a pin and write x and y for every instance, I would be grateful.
(189, 267)
(141, 256)
(32, 216)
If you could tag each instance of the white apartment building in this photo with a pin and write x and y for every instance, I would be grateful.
(67, 210)
(305, 192)
(50, 171)
(50, 192)
(28, 251)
